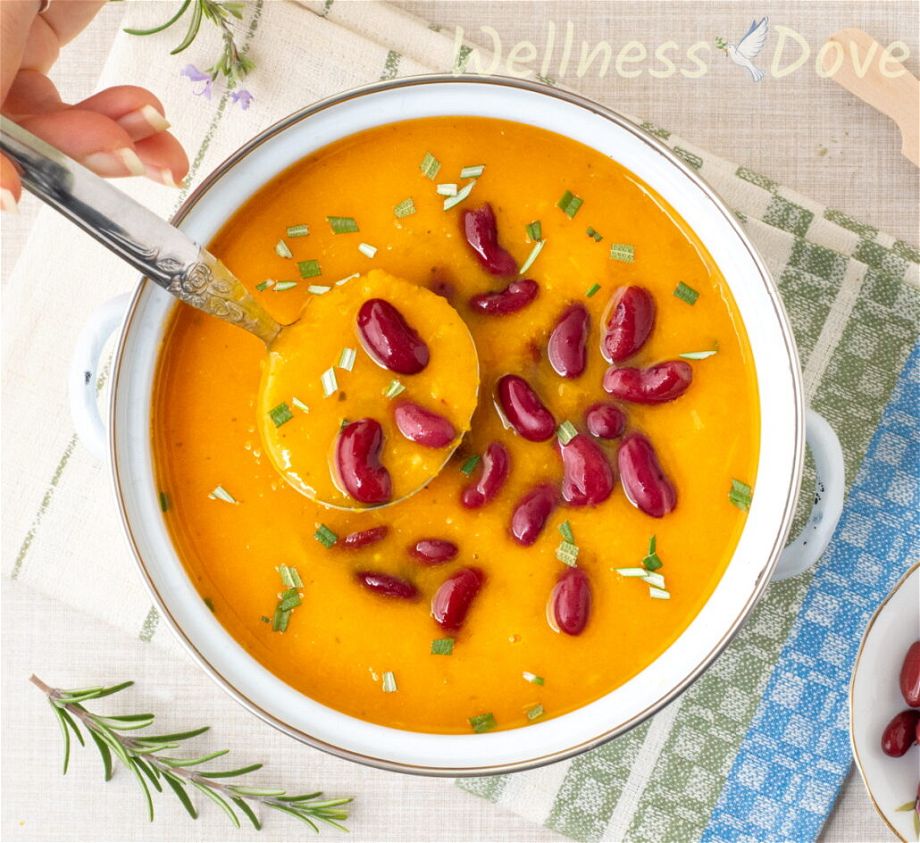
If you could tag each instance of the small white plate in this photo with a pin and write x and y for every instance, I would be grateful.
(875, 697)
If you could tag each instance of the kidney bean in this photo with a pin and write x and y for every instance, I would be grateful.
(654, 385)
(569, 603)
(423, 426)
(605, 421)
(481, 232)
(629, 320)
(453, 599)
(390, 340)
(493, 471)
(387, 585)
(588, 477)
(357, 458)
(433, 551)
(362, 538)
(517, 295)
(910, 675)
(901, 733)
(644, 482)
(567, 348)
(531, 513)
(523, 409)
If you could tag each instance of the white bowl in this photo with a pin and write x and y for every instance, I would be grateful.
(778, 474)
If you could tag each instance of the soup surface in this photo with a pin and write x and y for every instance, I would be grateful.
(528, 648)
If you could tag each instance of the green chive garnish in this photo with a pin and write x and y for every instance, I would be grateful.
(534, 252)
(318, 289)
(297, 230)
(623, 252)
(464, 191)
(347, 359)
(696, 355)
(300, 405)
(347, 278)
(535, 712)
(389, 683)
(446, 189)
(264, 619)
(566, 530)
(309, 269)
(594, 234)
(282, 250)
(566, 432)
(329, 382)
(483, 722)
(532, 678)
(442, 646)
(472, 172)
(393, 389)
(632, 572)
(652, 562)
(686, 293)
(281, 414)
(740, 495)
(570, 203)
(289, 599)
(470, 465)
(535, 230)
(342, 225)
(280, 620)
(219, 493)
(164, 502)
(430, 166)
(594, 288)
(658, 593)
(567, 553)
(264, 285)
(405, 208)
(654, 579)
(325, 536)
(367, 249)
(281, 286)
(290, 578)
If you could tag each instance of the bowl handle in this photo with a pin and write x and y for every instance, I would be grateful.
(84, 374)
(806, 549)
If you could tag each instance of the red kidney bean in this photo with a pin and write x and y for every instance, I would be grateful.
(517, 295)
(523, 409)
(357, 458)
(423, 426)
(531, 513)
(654, 385)
(901, 733)
(390, 340)
(433, 551)
(570, 603)
(494, 468)
(452, 600)
(910, 675)
(588, 477)
(644, 482)
(605, 421)
(629, 317)
(567, 348)
(387, 585)
(481, 232)
(362, 538)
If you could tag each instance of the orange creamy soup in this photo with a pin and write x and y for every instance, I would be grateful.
(564, 546)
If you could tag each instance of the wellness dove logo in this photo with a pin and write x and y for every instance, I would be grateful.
(748, 48)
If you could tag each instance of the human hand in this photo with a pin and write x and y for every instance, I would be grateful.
(120, 131)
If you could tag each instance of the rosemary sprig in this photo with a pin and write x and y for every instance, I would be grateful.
(231, 62)
(145, 756)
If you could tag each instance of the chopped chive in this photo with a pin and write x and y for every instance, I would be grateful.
(164, 502)
(686, 293)
(740, 495)
(623, 252)
(652, 562)
(567, 553)
(592, 290)
(290, 599)
(342, 225)
(566, 530)
(325, 536)
(532, 678)
(534, 253)
(347, 278)
(290, 578)
(566, 432)
(535, 712)
(367, 249)
(309, 269)
(280, 620)
(219, 493)
(297, 230)
(281, 286)
(483, 722)
(473, 172)
(631, 572)
(282, 250)
(264, 619)
(535, 230)
(299, 404)
(658, 593)
(343, 424)
(281, 414)
(264, 285)
(442, 646)
(347, 359)
(318, 289)
(696, 355)
(405, 208)
(594, 234)
(464, 191)
(570, 203)
(430, 166)
(393, 389)
(470, 465)
(389, 683)
(449, 189)
(654, 579)
(330, 384)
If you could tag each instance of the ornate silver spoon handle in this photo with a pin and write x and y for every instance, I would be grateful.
(138, 236)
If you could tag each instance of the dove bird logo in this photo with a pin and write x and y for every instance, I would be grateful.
(748, 48)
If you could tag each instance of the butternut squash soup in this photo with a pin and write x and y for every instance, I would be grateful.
(591, 508)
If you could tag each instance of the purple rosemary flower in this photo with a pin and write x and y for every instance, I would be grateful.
(243, 97)
(195, 75)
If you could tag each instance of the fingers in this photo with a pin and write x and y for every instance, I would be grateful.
(164, 159)
(31, 93)
(135, 109)
(14, 30)
(70, 18)
(10, 188)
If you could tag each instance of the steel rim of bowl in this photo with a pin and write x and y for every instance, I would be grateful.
(785, 524)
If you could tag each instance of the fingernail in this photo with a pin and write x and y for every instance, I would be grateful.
(163, 175)
(120, 162)
(143, 122)
(8, 203)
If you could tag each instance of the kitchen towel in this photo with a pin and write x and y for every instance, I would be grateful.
(757, 748)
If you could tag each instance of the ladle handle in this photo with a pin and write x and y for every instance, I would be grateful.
(160, 251)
